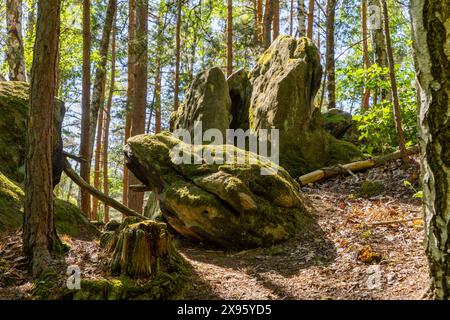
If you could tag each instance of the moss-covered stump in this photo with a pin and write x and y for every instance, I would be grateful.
(231, 205)
(143, 249)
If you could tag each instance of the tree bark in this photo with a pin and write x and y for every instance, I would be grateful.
(259, 22)
(229, 37)
(301, 17)
(158, 80)
(85, 153)
(430, 27)
(97, 161)
(14, 41)
(310, 27)
(366, 60)
(268, 18)
(395, 100)
(98, 91)
(108, 120)
(330, 59)
(276, 19)
(39, 235)
(136, 200)
(130, 89)
(177, 56)
(291, 18)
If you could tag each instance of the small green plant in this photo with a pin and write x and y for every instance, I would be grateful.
(417, 194)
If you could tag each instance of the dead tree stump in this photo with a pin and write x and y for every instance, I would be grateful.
(142, 249)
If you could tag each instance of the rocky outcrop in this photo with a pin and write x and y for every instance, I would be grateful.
(278, 93)
(207, 100)
(230, 205)
(14, 101)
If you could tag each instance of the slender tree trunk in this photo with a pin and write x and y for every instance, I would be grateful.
(178, 56)
(108, 121)
(230, 37)
(259, 22)
(39, 235)
(301, 17)
(366, 60)
(14, 41)
(395, 100)
(158, 81)
(85, 153)
(268, 18)
(310, 27)
(330, 59)
(291, 19)
(276, 19)
(97, 162)
(433, 73)
(98, 92)
(136, 199)
(130, 90)
(379, 46)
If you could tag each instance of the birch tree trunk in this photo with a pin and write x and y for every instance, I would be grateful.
(268, 19)
(14, 41)
(301, 17)
(432, 56)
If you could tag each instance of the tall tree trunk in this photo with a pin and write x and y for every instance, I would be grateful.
(130, 90)
(395, 100)
(136, 199)
(330, 59)
(259, 22)
(158, 80)
(98, 92)
(177, 56)
(366, 60)
(14, 41)
(433, 72)
(108, 121)
(85, 150)
(301, 17)
(268, 18)
(39, 235)
(97, 162)
(291, 18)
(379, 45)
(310, 27)
(230, 37)
(276, 19)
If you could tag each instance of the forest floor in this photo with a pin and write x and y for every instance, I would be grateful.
(359, 248)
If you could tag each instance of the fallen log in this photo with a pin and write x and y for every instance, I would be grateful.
(334, 171)
(98, 194)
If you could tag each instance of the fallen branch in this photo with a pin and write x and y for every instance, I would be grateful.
(99, 195)
(73, 157)
(385, 223)
(331, 172)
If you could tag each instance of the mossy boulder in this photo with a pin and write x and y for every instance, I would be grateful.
(231, 204)
(340, 125)
(68, 218)
(14, 100)
(207, 100)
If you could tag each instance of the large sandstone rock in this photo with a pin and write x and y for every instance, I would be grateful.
(14, 99)
(278, 93)
(207, 100)
(231, 205)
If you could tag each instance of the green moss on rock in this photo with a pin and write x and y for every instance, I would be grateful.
(370, 188)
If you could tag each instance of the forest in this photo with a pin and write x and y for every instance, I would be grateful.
(224, 150)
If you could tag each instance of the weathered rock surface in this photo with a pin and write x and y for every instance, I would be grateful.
(340, 125)
(278, 93)
(207, 100)
(14, 101)
(69, 219)
(231, 205)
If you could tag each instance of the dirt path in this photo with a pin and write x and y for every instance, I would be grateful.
(324, 264)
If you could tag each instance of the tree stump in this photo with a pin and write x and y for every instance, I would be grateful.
(143, 249)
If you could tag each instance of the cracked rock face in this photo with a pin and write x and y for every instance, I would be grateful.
(230, 205)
